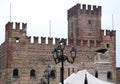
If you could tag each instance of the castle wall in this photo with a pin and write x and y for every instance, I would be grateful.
(3, 62)
(24, 55)
(27, 55)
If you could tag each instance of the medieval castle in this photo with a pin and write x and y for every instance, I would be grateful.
(23, 62)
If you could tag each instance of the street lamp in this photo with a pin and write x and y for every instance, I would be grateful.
(59, 56)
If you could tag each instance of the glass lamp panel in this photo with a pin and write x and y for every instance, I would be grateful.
(62, 43)
(58, 53)
(73, 52)
(55, 55)
(64, 58)
(57, 60)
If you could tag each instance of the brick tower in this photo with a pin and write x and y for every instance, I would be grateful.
(84, 25)
(84, 32)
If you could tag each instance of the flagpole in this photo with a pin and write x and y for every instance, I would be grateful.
(10, 12)
(50, 28)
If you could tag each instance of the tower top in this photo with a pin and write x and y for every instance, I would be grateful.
(85, 9)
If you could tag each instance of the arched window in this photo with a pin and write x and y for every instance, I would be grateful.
(109, 75)
(96, 74)
(17, 40)
(15, 73)
(53, 74)
(32, 73)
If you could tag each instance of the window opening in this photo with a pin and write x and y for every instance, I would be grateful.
(89, 21)
(15, 73)
(53, 74)
(68, 71)
(32, 73)
(17, 40)
(73, 70)
(96, 74)
(107, 45)
(109, 75)
(71, 26)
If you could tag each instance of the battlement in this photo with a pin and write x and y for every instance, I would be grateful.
(16, 26)
(85, 9)
(51, 41)
(43, 40)
(108, 32)
(94, 42)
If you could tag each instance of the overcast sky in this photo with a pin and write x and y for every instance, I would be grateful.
(39, 13)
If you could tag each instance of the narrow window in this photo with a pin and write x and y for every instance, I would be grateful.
(15, 73)
(72, 34)
(109, 75)
(73, 70)
(68, 71)
(32, 73)
(107, 45)
(17, 40)
(96, 74)
(89, 21)
(71, 26)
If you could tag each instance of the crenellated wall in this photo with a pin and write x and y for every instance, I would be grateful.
(43, 40)
(21, 32)
(51, 41)
(84, 25)
(10, 25)
(85, 9)
(93, 42)
(26, 53)
(108, 33)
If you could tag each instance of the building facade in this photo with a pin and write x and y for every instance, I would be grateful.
(24, 62)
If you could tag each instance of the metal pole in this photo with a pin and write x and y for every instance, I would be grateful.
(62, 68)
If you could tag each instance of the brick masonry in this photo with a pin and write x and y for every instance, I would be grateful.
(84, 33)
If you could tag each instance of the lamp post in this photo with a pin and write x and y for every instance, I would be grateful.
(59, 56)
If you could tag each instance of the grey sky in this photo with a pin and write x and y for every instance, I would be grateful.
(38, 13)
